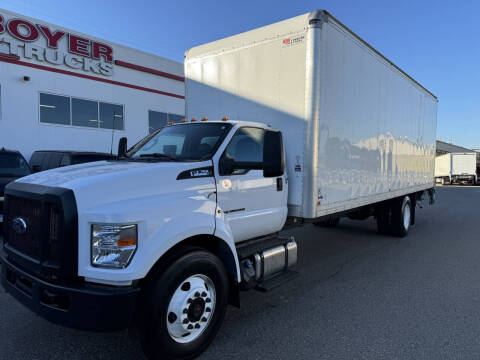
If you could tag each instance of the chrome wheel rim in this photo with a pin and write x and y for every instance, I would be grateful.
(191, 308)
(406, 216)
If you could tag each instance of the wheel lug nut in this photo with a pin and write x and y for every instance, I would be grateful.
(185, 321)
(207, 300)
(208, 309)
(204, 319)
(190, 327)
(197, 294)
(189, 301)
(204, 294)
(185, 311)
(197, 326)
(172, 317)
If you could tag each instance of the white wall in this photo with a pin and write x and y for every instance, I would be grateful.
(20, 126)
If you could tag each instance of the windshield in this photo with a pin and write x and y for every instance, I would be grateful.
(184, 142)
(13, 165)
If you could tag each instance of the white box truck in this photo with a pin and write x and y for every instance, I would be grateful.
(166, 236)
(459, 167)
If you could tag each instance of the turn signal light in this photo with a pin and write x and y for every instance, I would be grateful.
(126, 242)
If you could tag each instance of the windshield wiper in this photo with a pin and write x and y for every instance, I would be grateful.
(159, 155)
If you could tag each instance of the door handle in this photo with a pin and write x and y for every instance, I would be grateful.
(279, 184)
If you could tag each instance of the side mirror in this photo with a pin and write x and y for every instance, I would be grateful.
(122, 146)
(273, 154)
(36, 168)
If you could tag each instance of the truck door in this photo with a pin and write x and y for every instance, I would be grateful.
(253, 204)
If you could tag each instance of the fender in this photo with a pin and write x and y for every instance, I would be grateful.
(223, 231)
(181, 215)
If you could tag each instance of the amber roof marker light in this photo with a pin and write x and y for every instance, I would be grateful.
(225, 118)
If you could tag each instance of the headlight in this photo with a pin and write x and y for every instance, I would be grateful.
(113, 246)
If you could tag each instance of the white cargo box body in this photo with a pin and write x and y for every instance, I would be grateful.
(454, 164)
(356, 128)
(443, 165)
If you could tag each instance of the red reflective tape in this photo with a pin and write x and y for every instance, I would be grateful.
(14, 60)
(149, 70)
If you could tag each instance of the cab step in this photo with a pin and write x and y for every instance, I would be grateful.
(277, 280)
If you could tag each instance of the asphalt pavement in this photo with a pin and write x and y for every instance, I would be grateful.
(359, 296)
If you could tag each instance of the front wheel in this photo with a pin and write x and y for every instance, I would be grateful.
(185, 307)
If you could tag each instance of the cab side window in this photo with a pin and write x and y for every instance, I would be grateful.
(244, 152)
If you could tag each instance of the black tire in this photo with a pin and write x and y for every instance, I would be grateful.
(384, 224)
(401, 220)
(152, 327)
(330, 223)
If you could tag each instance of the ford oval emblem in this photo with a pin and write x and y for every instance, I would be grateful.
(19, 225)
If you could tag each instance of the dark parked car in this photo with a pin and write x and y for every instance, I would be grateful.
(50, 159)
(12, 166)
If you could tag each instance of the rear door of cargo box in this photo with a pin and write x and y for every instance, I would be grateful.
(464, 163)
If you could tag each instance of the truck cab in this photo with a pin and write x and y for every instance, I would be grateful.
(88, 242)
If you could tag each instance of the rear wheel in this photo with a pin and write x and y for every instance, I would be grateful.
(401, 216)
(185, 307)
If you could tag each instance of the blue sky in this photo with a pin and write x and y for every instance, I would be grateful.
(436, 42)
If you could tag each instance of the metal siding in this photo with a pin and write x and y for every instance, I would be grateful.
(377, 128)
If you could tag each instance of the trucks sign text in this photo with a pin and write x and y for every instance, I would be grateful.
(78, 52)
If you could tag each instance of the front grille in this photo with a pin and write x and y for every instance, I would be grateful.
(54, 241)
(48, 247)
(29, 242)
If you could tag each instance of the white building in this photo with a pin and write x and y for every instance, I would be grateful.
(63, 90)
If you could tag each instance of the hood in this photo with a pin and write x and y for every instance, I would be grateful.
(76, 176)
(111, 181)
(4, 180)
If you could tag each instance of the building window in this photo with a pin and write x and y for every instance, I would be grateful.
(64, 110)
(54, 109)
(157, 119)
(111, 116)
(84, 113)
